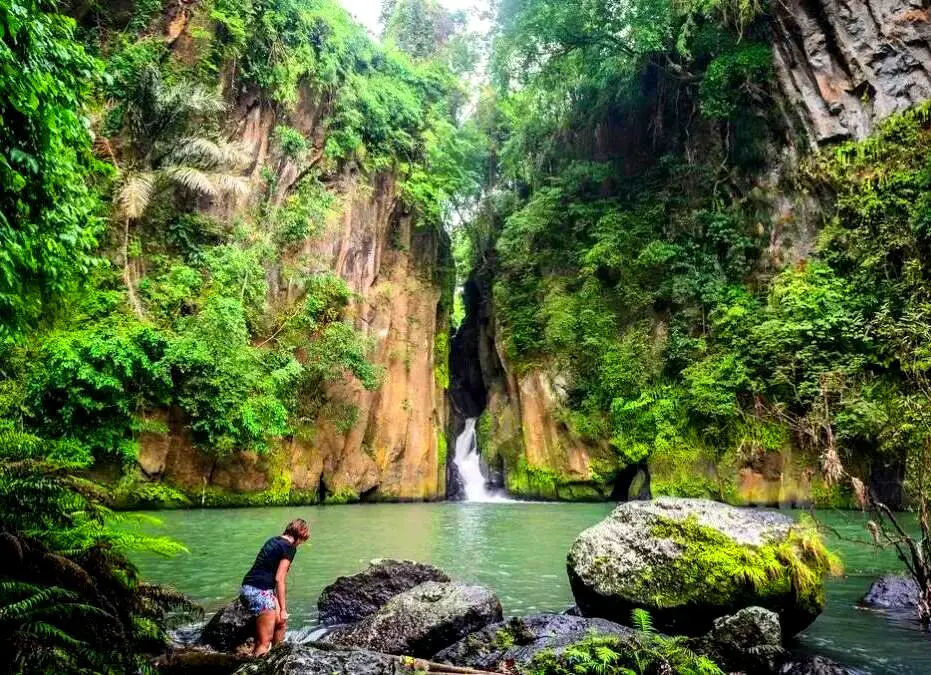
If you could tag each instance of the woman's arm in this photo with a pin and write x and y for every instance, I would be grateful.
(280, 587)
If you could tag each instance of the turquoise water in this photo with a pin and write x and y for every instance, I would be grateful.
(517, 549)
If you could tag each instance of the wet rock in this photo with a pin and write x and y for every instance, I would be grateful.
(748, 641)
(518, 640)
(422, 621)
(199, 662)
(892, 592)
(672, 558)
(287, 659)
(229, 628)
(813, 665)
(354, 597)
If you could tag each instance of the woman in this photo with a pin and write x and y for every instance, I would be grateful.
(263, 588)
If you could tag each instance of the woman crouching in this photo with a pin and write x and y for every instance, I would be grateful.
(264, 586)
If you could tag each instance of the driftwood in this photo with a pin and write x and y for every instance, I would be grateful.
(420, 665)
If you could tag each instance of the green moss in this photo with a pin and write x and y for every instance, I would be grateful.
(836, 496)
(504, 639)
(344, 495)
(442, 449)
(714, 568)
(214, 497)
(441, 359)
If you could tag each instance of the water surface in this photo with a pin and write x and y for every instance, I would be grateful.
(517, 549)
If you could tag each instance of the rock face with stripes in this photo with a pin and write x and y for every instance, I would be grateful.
(845, 65)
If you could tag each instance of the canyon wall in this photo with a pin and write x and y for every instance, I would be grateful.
(840, 68)
(399, 275)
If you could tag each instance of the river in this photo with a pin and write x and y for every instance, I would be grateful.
(517, 549)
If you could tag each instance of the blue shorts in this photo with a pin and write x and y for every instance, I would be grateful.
(258, 600)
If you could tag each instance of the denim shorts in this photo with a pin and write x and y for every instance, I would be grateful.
(258, 600)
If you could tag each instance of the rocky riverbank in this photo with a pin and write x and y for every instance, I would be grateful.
(400, 616)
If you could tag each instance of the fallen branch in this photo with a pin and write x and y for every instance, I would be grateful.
(420, 665)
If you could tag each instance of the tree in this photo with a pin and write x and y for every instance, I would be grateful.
(48, 206)
(419, 28)
(159, 151)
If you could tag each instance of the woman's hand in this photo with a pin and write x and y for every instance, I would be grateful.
(283, 617)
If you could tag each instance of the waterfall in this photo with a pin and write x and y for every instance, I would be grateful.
(470, 468)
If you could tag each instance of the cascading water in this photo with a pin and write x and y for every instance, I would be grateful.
(470, 468)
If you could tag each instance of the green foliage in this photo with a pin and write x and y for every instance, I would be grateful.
(645, 653)
(292, 143)
(304, 213)
(733, 78)
(49, 212)
(69, 599)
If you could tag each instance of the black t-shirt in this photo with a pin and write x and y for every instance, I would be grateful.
(262, 574)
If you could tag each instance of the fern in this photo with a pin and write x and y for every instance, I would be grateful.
(642, 621)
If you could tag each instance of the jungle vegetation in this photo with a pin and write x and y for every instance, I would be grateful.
(126, 286)
(608, 186)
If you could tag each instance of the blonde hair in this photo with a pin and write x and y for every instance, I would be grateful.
(298, 529)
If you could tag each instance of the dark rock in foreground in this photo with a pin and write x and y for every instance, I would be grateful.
(892, 592)
(229, 628)
(352, 598)
(286, 659)
(749, 641)
(813, 665)
(518, 640)
(422, 621)
(690, 561)
(189, 661)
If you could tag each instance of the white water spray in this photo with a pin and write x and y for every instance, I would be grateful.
(470, 467)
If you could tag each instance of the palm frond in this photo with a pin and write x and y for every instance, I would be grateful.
(135, 194)
(232, 185)
(208, 153)
(192, 179)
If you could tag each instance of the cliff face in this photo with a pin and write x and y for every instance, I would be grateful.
(844, 65)
(841, 67)
(395, 450)
(524, 440)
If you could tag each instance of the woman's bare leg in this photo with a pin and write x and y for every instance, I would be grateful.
(280, 628)
(265, 630)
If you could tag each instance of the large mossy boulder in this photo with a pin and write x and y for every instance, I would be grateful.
(691, 561)
(516, 641)
(354, 597)
(422, 621)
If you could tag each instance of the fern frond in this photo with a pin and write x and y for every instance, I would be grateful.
(642, 621)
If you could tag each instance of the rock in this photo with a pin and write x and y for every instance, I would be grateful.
(749, 641)
(813, 665)
(518, 640)
(690, 561)
(845, 65)
(287, 659)
(354, 597)
(422, 621)
(892, 592)
(229, 628)
(199, 662)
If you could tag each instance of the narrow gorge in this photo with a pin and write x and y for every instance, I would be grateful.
(614, 316)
